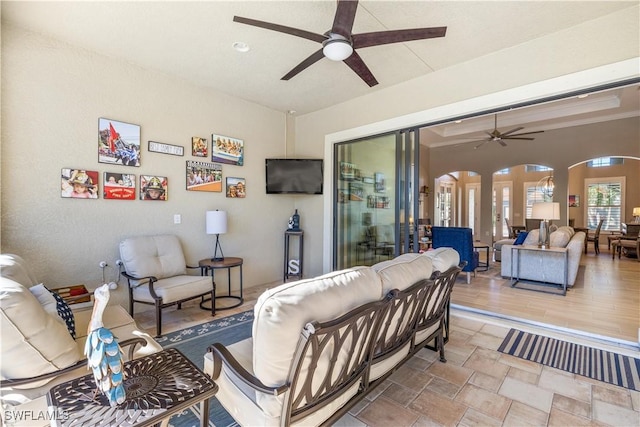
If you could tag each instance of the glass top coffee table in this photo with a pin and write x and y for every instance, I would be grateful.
(157, 386)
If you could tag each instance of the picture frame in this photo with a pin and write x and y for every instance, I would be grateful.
(574, 201)
(118, 142)
(356, 192)
(368, 179)
(226, 149)
(236, 188)
(347, 171)
(162, 148)
(379, 184)
(203, 176)
(79, 184)
(154, 188)
(199, 147)
(119, 186)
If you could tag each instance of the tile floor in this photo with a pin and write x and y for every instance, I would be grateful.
(479, 386)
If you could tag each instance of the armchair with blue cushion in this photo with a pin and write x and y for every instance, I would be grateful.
(460, 239)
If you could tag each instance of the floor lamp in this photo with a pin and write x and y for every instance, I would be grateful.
(546, 211)
(216, 223)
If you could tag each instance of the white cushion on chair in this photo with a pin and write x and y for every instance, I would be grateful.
(175, 288)
(34, 342)
(159, 256)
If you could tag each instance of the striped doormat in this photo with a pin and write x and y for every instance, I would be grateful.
(612, 368)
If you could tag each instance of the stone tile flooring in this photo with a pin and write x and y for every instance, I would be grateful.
(479, 386)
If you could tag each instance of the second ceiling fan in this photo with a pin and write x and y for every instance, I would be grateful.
(500, 137)
(339, 44)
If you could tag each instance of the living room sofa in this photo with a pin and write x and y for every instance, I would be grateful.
(319, 345)
(38, 350)
(543, 266)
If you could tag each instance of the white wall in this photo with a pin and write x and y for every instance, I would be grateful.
(52, 97)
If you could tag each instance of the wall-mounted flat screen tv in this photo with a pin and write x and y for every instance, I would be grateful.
(294, 176)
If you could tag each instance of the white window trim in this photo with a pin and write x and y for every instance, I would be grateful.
(606, 180)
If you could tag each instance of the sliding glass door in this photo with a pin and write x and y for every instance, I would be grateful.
(374, 197)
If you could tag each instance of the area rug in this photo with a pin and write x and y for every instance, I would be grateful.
(606, 366)
(193, 343)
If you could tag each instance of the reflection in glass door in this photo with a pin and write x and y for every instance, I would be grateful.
(375, 196)
(473, 209)
(501, 209)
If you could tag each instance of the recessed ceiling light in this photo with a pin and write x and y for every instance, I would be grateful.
(458, 121)
(584, 95)
(241, 47)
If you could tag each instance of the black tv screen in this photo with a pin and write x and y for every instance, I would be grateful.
(294, 176)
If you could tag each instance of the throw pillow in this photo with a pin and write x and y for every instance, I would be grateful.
(44, 297)
(521, 237)
(64, 311)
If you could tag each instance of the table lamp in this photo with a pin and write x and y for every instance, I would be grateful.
(545, 211)
(216, 223)
(636, 214)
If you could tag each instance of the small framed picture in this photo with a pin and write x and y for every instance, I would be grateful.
(574, 201)
(225, 149)
(118, 142)
(79, 184)
(203, 176)
(236, 187)
(199, 146)
(119, 186)
(153, 187)
(356, 192)
(347, 171)
(379, 184)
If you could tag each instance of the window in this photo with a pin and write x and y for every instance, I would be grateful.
(605, 200)
(537, 168)
(605, 161)
(503, 172)
(532, 195)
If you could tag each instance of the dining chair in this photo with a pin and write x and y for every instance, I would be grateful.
(595, 238)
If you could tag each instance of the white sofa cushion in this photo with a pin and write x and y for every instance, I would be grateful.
(34, 342)
(403, 271)
(559, 238)
(443, 258)
(282, 312)
(160, 256)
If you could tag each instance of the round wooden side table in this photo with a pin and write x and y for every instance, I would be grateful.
(210, 266)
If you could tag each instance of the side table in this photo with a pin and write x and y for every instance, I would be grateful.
(515, 267)
(208, 265)
(157, 386)
(486, 247)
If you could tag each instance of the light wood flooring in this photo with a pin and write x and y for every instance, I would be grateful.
(479, 386)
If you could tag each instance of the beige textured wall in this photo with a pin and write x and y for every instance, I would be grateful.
(52, 97)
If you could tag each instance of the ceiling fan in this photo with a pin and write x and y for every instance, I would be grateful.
(499, 137)
(339, 44)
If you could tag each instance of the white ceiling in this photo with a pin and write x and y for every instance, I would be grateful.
(193, 40)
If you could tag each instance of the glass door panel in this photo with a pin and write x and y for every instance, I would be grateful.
(365, 201)
(502, 209)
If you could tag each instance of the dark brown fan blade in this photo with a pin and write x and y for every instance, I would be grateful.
(282, 29)
(315, 57)
(516, 137)
(396, 36)
(357, 64)
(345, 15)
(481, 144)
(501, 142)
(512, 131)
(527, 133)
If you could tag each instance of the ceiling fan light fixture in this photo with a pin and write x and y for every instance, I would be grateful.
(241, 47)
(337, 48)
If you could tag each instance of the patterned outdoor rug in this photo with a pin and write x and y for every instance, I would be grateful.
(612, 368)
(193, 343)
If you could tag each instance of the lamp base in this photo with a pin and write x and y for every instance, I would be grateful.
(543, 237)
(217, 258)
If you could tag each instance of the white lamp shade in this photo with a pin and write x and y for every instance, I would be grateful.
(546, 210)
(216, 222)
(636, 211)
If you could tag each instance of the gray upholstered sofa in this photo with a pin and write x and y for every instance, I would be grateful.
(543, 266)
(320, 345)
(38, 350)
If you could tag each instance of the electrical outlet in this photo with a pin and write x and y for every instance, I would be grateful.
(177, 219)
